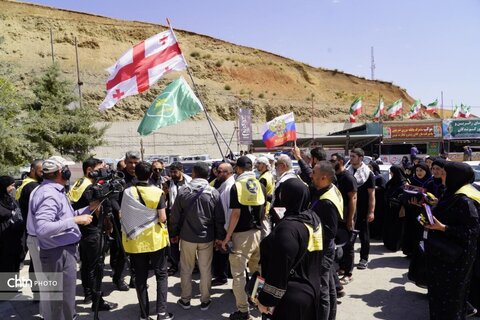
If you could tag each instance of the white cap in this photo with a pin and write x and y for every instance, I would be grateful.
(263, 160)
(55, 163)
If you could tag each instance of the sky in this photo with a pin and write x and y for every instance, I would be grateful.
(424, 46)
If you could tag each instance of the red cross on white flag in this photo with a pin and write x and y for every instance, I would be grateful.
(141, 66)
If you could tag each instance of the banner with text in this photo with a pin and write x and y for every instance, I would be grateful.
(412, 131)
(245, 135)
(461, 129)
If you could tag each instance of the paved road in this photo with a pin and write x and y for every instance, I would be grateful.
(380, 292)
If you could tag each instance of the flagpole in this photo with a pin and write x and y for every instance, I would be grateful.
(209, 120)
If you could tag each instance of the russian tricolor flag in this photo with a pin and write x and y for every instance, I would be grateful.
(279, 130)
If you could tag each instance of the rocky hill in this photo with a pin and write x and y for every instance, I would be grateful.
(228, 75)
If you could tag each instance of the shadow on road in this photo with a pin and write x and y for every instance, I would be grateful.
(392, 304)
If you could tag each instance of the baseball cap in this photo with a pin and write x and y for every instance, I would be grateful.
(244, 161)
(55, 163)
(263, 160)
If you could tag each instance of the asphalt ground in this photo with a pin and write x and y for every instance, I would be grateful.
(380, 292)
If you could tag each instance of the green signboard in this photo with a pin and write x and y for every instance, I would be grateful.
(461, 129)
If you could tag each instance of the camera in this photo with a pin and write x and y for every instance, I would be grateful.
(107, 183)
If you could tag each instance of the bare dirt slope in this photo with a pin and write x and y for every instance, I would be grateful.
(228, 75)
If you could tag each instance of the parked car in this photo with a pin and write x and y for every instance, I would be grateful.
(385, 170)
(476, 169)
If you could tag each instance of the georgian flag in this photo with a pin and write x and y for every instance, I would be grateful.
(395, 109)
(141, 66)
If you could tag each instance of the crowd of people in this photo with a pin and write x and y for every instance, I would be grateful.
(244, 218)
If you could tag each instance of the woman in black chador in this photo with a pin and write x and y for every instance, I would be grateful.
(11, 229)
(291, 272)
(457, 228)
(393, 223)
(376, 225)
(436, 186)
(421, 177)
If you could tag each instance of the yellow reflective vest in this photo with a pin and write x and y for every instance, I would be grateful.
(78, 189)
(470, 191)
(25, 181)
(315, 239)
(335, 196)
(151, 239)
(268, 176)
(249, 191)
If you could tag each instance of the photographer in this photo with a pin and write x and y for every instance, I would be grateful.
(90, 241)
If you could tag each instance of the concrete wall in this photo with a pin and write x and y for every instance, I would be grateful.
(190, 137)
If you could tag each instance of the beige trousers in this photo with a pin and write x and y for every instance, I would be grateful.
(246, 250)
(188, 252)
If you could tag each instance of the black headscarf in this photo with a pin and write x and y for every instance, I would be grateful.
(439, 162)
(375, 167)
(421, 182)
(399, 177)
(294, 196)
(458, 175)
(5, 198)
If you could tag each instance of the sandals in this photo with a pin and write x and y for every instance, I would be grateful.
(345, 280)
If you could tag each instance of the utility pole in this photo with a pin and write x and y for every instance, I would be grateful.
(442, 115)
(80, 83)
(313, 123)
(372, 64)
(51, 45)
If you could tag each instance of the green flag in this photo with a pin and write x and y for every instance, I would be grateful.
(176, 103)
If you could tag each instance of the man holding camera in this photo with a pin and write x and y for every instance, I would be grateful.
(53, 224)
(90, 250)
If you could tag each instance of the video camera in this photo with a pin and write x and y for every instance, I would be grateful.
(107, 183)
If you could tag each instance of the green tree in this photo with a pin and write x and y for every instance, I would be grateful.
(15, 150)
(54, 127)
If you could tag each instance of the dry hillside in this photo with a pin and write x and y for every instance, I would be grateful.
(228, 75)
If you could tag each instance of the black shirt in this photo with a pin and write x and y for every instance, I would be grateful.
(362, 195)
(346, 183)
(25, 198)
(83, 202)
(248, 220)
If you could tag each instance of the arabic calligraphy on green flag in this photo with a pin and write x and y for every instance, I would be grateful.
(174, 104)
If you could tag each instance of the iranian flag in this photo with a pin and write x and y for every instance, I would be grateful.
(415, 110)
(395, 109)
(379, 111)
(464, 111)
(355, 109)
(456, 112)
(432, 107)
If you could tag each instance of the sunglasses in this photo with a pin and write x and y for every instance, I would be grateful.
(158, 170)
